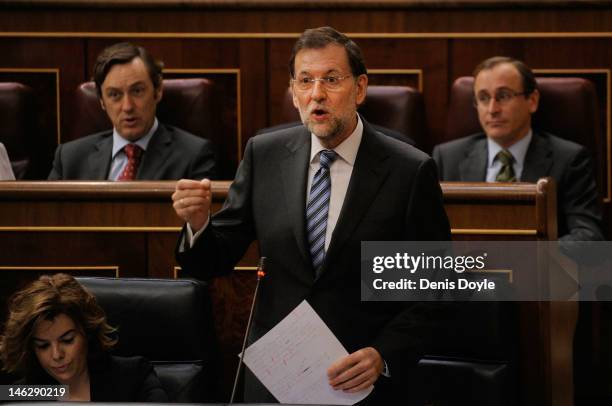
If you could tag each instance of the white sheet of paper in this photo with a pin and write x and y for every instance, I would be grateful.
(292, 359)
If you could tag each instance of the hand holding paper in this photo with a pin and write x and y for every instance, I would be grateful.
(293, 358)
(357, 371)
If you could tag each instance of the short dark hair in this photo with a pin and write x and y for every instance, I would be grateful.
(527, 76)
(121, 53)
(44, 299)
(317, 38)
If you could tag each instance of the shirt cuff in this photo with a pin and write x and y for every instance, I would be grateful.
(386, 371)
(191, 238)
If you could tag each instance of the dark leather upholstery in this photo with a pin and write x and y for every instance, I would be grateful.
(568, 108)
(472, 358)
(400, 108)
(169, 322)
(17, 125)
(185, 103)
(456, 382)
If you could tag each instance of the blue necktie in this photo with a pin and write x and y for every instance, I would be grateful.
(318, 207)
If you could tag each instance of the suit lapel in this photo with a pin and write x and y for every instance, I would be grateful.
(100, 159)
(538, 159)
(293, 172)
(370, 171)
(474, 167)
(155, 157)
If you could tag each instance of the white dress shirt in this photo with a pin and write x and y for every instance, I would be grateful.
(340, 173)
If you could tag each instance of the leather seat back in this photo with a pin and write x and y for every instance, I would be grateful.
(169, 322)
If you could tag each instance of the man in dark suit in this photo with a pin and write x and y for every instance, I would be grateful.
(129, 85)
(372, 188)
(506, 95)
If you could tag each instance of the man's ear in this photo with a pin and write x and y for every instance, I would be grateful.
(534, 100)
(294, 97)
(362, 88)
(158, 93)
(102, 104)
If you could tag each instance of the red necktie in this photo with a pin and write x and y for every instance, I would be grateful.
(134, 153)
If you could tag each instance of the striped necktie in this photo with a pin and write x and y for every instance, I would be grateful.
(318, 207)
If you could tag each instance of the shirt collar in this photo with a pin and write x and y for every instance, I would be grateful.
(518, 149)
(347, 150)
(119, 142)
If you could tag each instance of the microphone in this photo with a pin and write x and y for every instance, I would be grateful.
(260, 274)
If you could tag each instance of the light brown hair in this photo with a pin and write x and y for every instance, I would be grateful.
(44, 299)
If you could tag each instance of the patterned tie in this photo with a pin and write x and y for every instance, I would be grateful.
(506, 173)
(318, 207)
(134, 153)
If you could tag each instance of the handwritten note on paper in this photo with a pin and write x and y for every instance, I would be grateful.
(291, 360)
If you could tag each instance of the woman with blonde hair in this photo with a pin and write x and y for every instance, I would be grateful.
(56, 333)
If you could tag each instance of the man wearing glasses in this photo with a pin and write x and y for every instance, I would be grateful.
(310, 195)
(505, 96)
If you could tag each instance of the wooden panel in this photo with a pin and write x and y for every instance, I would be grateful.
(43, 119)
(75, 249)
(231, 301)
(279, 52)
(429, 56)
(183, 18)
(48, 66)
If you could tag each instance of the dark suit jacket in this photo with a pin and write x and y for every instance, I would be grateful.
(171, 154)
(117, 379)
(125, 379)
(393, 194)
(569, 164)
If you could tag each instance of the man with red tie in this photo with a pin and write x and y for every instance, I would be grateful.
(129, 85)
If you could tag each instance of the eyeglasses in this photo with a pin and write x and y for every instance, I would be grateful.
(329, 82)
(502, 97)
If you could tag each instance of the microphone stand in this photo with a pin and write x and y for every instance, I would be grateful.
(260, 274)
